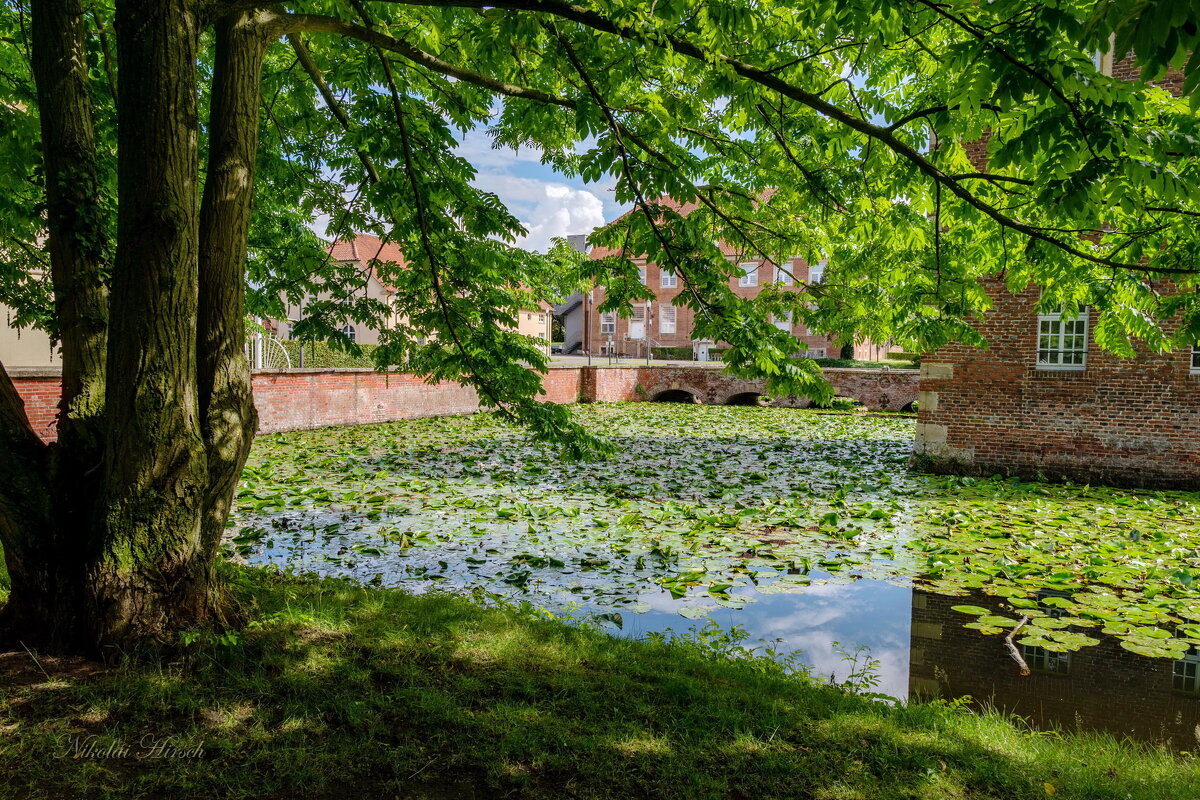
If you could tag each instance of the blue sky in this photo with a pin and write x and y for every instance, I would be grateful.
(548, 203)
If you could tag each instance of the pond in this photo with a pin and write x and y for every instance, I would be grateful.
(800, 527)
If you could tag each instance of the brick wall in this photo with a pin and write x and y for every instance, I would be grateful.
(1106, 687)
(312, 398)
(1121, 421)
(40, 388)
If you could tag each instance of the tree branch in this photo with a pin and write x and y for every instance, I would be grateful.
(596, 21)
(331, 101)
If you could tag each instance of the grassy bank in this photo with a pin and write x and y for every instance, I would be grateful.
(336, 690)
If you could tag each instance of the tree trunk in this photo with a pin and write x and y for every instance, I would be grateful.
(48, 522)
(110, 535)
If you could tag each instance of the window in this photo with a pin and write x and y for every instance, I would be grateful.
(1040, 659)
(783, 276)
(642, 274)
(816, 273)
(608, 322)
(749, 274)
(1185, 673)
(1196, 359)
(348, 332)
(667, 280)
(816, 352)
(1062, 343)
(782, 321)
(666, 319)
(541, 319)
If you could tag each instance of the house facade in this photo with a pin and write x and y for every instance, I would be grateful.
(361, 251)
(25, 347)
(665, 324)
(1045, 401)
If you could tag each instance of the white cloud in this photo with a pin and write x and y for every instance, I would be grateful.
(546, 208)
(476, 147)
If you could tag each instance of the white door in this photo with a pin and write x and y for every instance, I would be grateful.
(637, 323)
(702, 351)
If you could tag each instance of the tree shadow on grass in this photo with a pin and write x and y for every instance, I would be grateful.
(340, 691)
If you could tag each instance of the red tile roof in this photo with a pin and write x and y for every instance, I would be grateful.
(365, 248)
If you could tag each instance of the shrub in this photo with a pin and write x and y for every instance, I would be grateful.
(319, 355)
(672, 353)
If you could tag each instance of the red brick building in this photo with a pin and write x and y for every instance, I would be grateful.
(665, 324)
(1045, 401)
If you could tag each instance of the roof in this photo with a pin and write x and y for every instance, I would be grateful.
(365, 248)
(683, 209)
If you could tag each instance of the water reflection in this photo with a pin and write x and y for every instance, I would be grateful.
(1104, 687)
(924, 651)
(873, 614)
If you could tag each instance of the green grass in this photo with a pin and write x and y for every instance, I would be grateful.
(337, 690)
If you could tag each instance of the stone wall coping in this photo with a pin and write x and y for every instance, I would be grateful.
(34, 372)
(56, 372)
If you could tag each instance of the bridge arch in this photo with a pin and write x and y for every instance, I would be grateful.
(674, 396)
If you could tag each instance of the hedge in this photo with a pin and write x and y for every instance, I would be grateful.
(319, 355)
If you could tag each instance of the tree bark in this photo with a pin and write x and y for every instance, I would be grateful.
(228, 417)
(148, 580)
(48, 521)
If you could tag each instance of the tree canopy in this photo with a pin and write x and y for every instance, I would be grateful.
(826, 129)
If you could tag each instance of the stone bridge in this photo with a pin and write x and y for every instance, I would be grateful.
(877, 389)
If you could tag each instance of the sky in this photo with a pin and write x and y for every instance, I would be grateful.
(548, 203)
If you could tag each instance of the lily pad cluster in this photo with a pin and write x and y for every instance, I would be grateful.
(707, 507)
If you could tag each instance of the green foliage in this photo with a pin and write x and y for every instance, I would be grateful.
(336, 690)
(318, 355)
(672, 353)
(784, 128)
(850, 363)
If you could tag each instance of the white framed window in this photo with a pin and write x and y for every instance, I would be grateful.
(608, 322)
(783, 275)
(782, 321)
(1196, 359)
(667, 279)
(816, 352)
(816, 273)
(666, 319)
(1185, 672)
(541, 319)
(1062, 342)
(642, 274)
(1040, 659)
(749, 275)
(348, 332)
